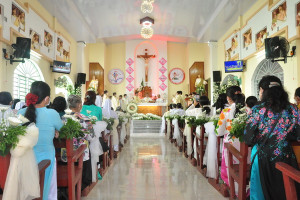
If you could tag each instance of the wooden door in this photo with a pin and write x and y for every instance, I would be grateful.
(95, 69)
(196, 69)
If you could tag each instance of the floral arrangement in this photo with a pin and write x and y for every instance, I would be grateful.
(132, 108)
(197, 121)
(219, 89)
(238, 125)
(10, 130)
(148, 116)
(121, 120)
(110, 123)
(215, 120)
(71, 128)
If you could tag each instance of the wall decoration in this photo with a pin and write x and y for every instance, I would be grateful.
(115, 76)
(48, 40)
(298, 14)
(260, 38)
(60, 46)
(35, 40)
(176, 75)
(247, 38)
(18, 17)
(232, 46)
(66, 55)
(279, 15)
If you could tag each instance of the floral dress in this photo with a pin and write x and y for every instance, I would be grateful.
(223, 129)
(266, 180)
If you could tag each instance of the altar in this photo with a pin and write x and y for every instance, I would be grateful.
(154, 108)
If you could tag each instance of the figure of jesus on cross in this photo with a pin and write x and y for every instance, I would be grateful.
(146, 57)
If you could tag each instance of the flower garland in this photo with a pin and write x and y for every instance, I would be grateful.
(132, 108)
(148, 116)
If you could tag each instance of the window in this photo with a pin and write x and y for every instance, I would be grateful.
(24, 75)
(265, 67)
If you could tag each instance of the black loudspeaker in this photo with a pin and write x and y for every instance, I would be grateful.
(22, 47)
(217, 76)
(81, 78)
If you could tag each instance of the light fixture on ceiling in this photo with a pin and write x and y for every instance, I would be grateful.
(146, 7)
(147, 32)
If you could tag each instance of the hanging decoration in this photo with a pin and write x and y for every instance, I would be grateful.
(147, 31)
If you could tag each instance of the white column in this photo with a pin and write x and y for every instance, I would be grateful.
(81, 63)
(213, 63)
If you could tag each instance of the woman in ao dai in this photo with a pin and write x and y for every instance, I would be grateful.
(234, 97)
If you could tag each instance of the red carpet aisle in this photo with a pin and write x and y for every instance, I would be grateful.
(152, 169)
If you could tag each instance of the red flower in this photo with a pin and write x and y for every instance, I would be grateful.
(31, 99)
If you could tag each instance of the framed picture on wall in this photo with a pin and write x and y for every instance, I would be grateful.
(260, 38)
(115, 76)
(176, 76)
(298, 14)
(48, 40)
(66, 55)
(60, 46)
(279, 15)
(247, 38)
(35, 40)
(18, 17)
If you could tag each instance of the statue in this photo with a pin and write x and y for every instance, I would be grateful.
(94, 84)
(146, 58)
(200, 85)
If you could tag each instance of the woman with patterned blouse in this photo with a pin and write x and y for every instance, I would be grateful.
(75, 104)
(276, 122)
(234, 98)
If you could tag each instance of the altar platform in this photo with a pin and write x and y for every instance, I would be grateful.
(154, 108)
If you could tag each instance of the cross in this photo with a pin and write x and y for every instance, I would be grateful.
(146, 57)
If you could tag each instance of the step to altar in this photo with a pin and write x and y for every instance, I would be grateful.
(148, 128)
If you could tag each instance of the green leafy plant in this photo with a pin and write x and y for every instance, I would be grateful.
(238, 126)
(71, 129)
(110, 123)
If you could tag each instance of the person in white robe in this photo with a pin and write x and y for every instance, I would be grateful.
(114, 101)
(105, 96)
(98, 101)
(108, 113)
(159, 99)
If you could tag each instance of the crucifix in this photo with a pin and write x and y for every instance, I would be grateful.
(146, 57)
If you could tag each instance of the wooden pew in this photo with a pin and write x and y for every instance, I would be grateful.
(171, 132)
(222, 188)
(181, 130)
(119, 136)
(192, 159)
(239, 171)
(200, 150)
(70, 175)
(5, 161)
(104, 167)
(290, 176)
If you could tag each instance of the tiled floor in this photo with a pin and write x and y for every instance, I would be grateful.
(152, 169)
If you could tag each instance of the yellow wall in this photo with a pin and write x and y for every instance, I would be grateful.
(199, 52)
(97, 52)
(291, 71)
(6, 70)
(177, 58)
(114, 58)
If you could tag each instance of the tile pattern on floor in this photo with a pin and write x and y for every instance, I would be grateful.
(152, 169)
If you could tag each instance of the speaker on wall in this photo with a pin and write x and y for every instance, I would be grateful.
(81, 78)
(217, 76)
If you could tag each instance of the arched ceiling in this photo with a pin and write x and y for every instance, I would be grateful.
(112, 21)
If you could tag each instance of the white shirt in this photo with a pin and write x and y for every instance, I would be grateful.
(98, 101)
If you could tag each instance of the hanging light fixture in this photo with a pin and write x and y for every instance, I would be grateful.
(146, 7)
(147, 32)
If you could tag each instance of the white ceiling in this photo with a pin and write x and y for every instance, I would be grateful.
(112, 21)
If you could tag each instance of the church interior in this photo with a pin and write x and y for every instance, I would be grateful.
(149, 99)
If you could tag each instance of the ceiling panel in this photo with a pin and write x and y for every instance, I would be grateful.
(175, 20)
